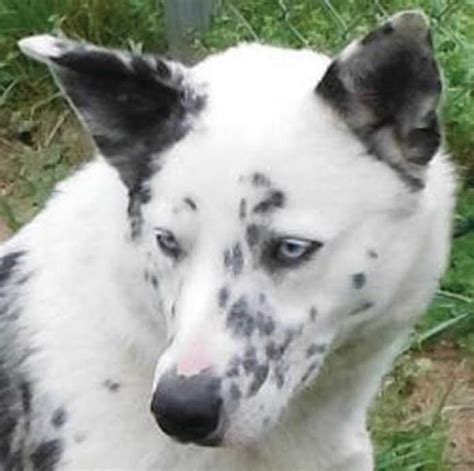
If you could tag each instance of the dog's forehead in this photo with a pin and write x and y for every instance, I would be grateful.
(263, 117)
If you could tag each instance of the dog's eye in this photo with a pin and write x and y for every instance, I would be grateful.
(168, 243)
(290, 251)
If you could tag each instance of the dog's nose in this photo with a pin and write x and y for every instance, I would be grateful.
(188, 407)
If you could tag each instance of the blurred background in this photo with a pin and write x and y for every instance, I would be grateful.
(424, 416)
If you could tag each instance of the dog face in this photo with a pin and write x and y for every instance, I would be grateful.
(269, 190)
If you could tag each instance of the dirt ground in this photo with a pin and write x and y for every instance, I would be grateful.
(446, 386)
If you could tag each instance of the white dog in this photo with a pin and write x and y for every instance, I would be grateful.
(225, 285)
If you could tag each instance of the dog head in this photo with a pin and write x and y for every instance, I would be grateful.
(270, 189)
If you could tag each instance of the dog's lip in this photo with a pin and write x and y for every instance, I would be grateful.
(214, 440)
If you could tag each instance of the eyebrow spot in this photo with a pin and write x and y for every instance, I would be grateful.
(190, 203)
(259, 180)
(273, 200)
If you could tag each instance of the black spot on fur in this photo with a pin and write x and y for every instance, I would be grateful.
(15, 387)
(190, 204)
(274, 352)
(313, 313)
(239, 319)
(261, 374)
(59, 417)
(47, 455)
(316, 349)
(26, 397)
(154, 281)
(253, 235)
(372, 253)
(249, 362)
(8, 264)
(359, 280)
(243, 209)
(234, 259)
(111, 385)
(260, 180)
(79, 437)
(234, 366)
(273, 200)
(223, 296)
(265, 324)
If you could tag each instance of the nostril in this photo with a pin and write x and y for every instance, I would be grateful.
(187, 407)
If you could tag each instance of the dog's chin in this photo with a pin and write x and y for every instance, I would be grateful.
(246, 437)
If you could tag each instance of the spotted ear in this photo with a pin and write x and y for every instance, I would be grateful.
(134, 106)
(386, 87)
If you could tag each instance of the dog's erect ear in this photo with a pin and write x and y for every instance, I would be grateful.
(386, 87)
(133, 105)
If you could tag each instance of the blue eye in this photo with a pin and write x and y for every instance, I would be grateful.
(291, 251)
(168, 243)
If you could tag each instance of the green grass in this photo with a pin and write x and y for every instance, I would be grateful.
(135, 24)
(44, 143)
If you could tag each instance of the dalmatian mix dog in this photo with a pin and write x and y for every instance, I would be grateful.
(225, 285)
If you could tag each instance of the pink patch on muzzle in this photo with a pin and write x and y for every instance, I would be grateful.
(196, 359)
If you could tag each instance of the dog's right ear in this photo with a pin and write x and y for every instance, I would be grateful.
(386, 87)
(134, 106)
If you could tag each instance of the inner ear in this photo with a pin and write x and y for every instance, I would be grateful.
(386, 87)
(134, 106)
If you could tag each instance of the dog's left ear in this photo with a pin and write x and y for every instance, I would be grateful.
(133, 105)
(386, 87)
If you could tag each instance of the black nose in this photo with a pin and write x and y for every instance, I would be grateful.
(188, 407)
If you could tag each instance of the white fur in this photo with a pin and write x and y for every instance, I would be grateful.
(90, 316)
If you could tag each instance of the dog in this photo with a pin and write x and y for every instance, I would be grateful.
(225, 285)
